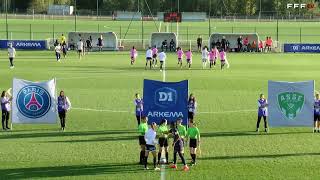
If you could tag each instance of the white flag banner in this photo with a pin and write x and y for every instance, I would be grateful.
(34, 102)
(291, 103)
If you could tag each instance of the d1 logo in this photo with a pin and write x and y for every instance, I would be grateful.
(33, 101)
(291, 104)
(165, 97)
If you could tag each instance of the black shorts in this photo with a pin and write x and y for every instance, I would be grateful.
(62, 114)
(178, 147)
(150, 147)
(316, 117)
(79, 51)
(5, 115)
(190, 115)
(154, 56)
(193, 143)
(148, 58)
(142, 141)
(163, 142)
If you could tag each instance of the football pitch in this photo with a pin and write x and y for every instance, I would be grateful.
(101, 141)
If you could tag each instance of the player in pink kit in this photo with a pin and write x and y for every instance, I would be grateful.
(189, 58)
(133, 55)
(213, 56)
(154, 56)
(180, 54)
(223, 59)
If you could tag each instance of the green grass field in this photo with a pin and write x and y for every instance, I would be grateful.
(102, 144)
(43, 29)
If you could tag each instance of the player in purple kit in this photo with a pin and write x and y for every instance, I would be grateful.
(180, 54)
(317, 113)
(223, 58)
(154, 56)
(189, 57)
(178, 146)
(262, 112)
(138, 102)
(133, 55)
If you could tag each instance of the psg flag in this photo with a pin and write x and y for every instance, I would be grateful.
(165, 100)
(34, 102)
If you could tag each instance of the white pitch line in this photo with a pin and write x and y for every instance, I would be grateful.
(124, 111)
(101, 110)
(224, 112)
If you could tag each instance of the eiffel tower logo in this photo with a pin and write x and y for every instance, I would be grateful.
(33, 102)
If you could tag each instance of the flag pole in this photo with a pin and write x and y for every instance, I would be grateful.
(11, 125)
(164, 72)
(56, 98)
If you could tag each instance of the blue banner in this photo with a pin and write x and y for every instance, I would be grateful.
(165, 100)
(308, 48)
(24, 44)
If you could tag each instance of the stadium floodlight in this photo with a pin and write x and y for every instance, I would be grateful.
(260, 10)
(6, 8)
(75, 15)
(97, 9)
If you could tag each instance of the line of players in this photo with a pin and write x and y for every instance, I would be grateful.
(152, 56)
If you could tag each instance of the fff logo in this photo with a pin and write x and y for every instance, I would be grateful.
(165, 97)
(308, 6)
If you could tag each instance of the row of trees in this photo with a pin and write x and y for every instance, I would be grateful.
(216, 7)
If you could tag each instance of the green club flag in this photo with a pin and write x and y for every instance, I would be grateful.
(291, 103)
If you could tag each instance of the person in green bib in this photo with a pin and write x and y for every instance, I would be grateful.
(162, 133)
(142, 129)
(194, 134)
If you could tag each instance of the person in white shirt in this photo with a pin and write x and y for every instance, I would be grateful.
(57, 49)
(149, 57)
(11, 54)
(6, 108)
(150, 138)
(204, 55)
(64, 105)
(80, 48)
(162, 58)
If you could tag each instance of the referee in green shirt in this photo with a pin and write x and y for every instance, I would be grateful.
(162, 133)
(142, 129)
(181, 129)
(194, 134)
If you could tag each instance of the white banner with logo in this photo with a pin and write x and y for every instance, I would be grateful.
(291, 103)
(34, 102)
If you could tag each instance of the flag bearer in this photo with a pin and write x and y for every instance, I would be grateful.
(64, 106)
(262, 112)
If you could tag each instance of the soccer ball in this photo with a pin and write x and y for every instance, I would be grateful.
(163, 161)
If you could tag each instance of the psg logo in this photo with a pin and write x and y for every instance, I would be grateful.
(33, 101)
